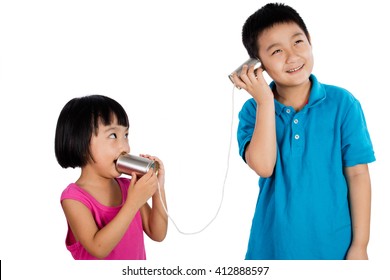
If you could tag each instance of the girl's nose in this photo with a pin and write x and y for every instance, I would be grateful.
(125, 148)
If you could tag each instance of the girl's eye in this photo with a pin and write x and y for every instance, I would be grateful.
(127, 136)
(298, 42)
(277, 51)
(112, 136)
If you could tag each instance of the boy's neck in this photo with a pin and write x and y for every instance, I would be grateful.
(296, 97)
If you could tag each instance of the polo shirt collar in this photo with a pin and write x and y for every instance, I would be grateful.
(317, 95)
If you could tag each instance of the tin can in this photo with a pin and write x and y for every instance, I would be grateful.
(249, 62)
(128, 164)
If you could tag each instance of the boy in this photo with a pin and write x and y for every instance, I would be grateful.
(309, 144)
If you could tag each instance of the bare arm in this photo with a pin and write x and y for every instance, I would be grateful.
(100, 243)
(260, 153)
(155, 219)
(359, 185)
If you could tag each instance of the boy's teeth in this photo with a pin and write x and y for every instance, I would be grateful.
(295, 69)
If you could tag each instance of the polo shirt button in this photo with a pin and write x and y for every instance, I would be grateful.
(288, 111)
(296, 136)
(296, 121)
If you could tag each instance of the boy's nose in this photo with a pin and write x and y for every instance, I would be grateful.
(291, 56)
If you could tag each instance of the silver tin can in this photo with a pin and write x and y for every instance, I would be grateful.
(249, 62)
(128, 164)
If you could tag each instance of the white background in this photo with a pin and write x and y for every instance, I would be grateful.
(167, 63)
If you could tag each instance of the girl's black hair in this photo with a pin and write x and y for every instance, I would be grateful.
(264, 18)
(77, 121)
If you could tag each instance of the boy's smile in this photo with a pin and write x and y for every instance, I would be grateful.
(295, 69)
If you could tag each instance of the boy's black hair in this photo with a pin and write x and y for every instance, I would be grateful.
(264, 18)
(80, 118)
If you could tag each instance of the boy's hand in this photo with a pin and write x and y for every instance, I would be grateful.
(357, 253)
(253, 82)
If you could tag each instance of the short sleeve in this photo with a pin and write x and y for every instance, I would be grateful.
(355, 140)
(246, 125)
(75, 193)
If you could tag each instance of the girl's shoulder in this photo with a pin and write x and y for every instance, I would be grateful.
(72, 190)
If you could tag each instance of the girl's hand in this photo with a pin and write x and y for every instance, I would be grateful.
(254, 83)
(161, 170)
(140, 190)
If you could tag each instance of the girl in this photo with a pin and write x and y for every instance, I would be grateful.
(106, 215)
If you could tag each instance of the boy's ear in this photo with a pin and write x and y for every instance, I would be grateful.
(262, 64)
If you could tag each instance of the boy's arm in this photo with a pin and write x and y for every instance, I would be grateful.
(358, 179)
(260, 154)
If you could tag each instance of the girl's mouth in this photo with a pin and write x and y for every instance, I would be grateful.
(115, 160)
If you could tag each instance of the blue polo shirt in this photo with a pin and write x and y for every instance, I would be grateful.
(302, 211)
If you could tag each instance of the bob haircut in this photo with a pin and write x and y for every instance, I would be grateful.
(77, 121)
(264, 18)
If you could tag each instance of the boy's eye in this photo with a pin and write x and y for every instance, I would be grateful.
(127, 136)
(112, 136)
(298, 42)
(277, 51)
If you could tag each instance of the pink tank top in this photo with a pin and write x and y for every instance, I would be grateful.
(131, 247)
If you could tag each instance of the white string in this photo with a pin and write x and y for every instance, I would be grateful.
(223, 186)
